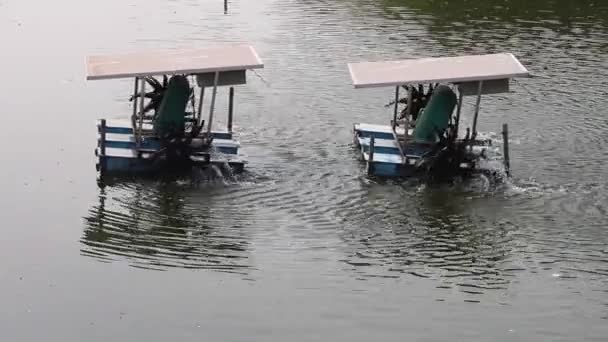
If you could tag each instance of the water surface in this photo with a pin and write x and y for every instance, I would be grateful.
(303, 246)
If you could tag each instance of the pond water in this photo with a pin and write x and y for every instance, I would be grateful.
(304, 246)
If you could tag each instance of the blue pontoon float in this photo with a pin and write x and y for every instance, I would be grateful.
(422, 138)
(166, 129)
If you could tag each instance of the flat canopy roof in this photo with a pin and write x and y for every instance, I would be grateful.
(436, 70)
(169, 62)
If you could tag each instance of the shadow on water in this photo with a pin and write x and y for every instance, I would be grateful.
(165, 224)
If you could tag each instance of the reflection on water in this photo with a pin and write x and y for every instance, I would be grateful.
(164, 224)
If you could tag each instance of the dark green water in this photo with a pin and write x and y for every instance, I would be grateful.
(304, 247)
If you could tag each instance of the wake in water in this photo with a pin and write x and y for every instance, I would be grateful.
(213, 174)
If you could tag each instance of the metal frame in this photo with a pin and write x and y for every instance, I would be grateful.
(230, 108)
(410, 100)
(394, 126)
(505, 149)
(479, 90)
(138, 106)
(102, 147)
(199, 115)
(458, 110)
(134, 115)
(396, 107)
(212, 106)
(142, 91)
(457, 87)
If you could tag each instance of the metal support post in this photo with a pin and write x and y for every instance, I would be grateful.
(505, 140)
(477, 109)
(212, 106)
(230, 108)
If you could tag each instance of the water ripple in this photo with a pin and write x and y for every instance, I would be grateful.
(154, 226)
(304, 188)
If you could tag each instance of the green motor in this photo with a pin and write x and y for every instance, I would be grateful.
(435, 117)
(170, 119)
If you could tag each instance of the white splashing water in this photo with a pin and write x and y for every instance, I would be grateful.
(219, 174)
